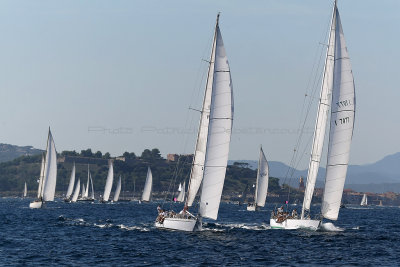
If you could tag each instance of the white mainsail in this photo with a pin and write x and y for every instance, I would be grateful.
(219, 133)
(364, 200)
(148, 186)
(181, 196)
(109, 182)
(87, 185)
(197, 171)
(76, 192)
(71, 183)
(50, 170)
(321, 121)
(83, 190)
(341, 127)
(92, 194)
(41, 179)
(262, 180)
(117, 190)
(25, 190)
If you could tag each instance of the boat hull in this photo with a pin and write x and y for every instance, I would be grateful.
(35, 204)
(177, 224)
(292, 224)
(251, 208)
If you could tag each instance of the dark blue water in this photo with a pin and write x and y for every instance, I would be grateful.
(123, 234)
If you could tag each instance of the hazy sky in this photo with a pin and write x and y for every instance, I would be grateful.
(120, 75)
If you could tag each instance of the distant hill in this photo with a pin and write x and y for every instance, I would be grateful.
(378, 177)
(10, 152)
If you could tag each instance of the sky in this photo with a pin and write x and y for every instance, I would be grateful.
(120, 76)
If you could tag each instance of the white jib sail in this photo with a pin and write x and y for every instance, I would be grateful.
(25, 190)
(196, 174)
(181, 196)
(50, 170)
(117, 190)
(262, 180)
(87, 185)
(76, 192)
(71, 182)
(219, 133)
(41, 179)
(321, 121)
(83, 190)
(148, 186)
(109, 182)
(342, 124)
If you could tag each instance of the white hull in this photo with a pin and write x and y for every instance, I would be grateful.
(292, 224)
(251, 208)
(177, 224)
(35, 204)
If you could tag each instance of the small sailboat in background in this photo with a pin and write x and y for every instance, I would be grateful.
(86, 190)
(261, 183)
(148, 186)
(109, 182)
(212, 145)
(48, 175)
(25, 191)
(364, 200)
(76, 192)
(117, 190)
(338, 96)
(181, 195)
(70, 185)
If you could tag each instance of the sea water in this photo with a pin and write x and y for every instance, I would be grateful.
(123, 234)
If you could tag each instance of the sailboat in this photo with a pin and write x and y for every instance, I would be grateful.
(338, 96)
(25, 191)
(76, 192)
(212, 145)
(48, 175)
(85, 190)
(70, 185)
(181, 195)
(364, 200)
(109, 182)
(261, 183)
(117, 190)
(148, 186)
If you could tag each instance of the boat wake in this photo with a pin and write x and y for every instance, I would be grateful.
(218, 227)
(330, 227)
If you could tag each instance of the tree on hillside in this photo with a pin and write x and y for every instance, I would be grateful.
(87, 153)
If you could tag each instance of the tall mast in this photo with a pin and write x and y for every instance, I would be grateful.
(322, 117)
(197, 171)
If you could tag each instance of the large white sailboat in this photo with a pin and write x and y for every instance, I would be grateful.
(70, 185)
(261, 191)
(148, 186)
(109, 182)
(338, 97)
(212, 145)
(364, 200)
(48, 175)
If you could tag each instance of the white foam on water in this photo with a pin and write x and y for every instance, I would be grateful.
(330, 227)
(130, 228)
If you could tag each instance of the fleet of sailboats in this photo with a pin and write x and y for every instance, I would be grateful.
(212, 145)
(338, 97)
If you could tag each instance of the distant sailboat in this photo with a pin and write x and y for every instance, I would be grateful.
(148, 186)
(338, 96)
(76, 192)
(25, 191)
(109, 182)
(86, 190)
(181, 195)
(71, 185)
(212, 145)
(48, 175)
(117, 190)
(261, 183)
(364, 200)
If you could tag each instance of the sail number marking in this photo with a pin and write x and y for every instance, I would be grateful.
(344, 103)
(342, 121)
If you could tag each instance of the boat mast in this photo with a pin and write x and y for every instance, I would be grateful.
(201, 146)
(322, 117)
